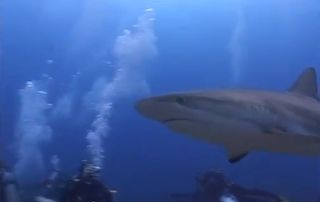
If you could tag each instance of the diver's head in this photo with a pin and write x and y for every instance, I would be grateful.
(213, 180)
(89, 170)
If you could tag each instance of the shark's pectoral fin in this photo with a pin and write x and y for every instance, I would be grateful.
(237, 158)
(235, 154)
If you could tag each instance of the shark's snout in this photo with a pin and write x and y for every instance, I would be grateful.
(146, 108)
(150, 108)
(156, 109)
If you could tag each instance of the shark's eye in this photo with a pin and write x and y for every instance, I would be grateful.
(180, 100)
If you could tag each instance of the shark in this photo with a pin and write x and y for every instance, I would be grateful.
(245, 120)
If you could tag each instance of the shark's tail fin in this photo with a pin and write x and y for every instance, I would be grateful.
(306, 84)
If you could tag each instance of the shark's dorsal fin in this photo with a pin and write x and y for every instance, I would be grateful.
(306, 84)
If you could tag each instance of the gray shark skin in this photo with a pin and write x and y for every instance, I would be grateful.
(245, 120)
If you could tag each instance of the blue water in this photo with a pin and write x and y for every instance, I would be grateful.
(64, 46)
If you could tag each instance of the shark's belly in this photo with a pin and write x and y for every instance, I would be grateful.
(218, 130)
(238, 133)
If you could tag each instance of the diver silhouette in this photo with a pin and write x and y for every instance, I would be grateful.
(86, 187)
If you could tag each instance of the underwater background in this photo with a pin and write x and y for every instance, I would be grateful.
(71, 71)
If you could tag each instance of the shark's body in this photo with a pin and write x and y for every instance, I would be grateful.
(245, 120)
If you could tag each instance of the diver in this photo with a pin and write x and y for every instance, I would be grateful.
(211, 187)
(214, 186)
(86, 187)
(8, 185)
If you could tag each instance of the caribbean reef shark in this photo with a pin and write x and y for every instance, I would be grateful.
(245, 120)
